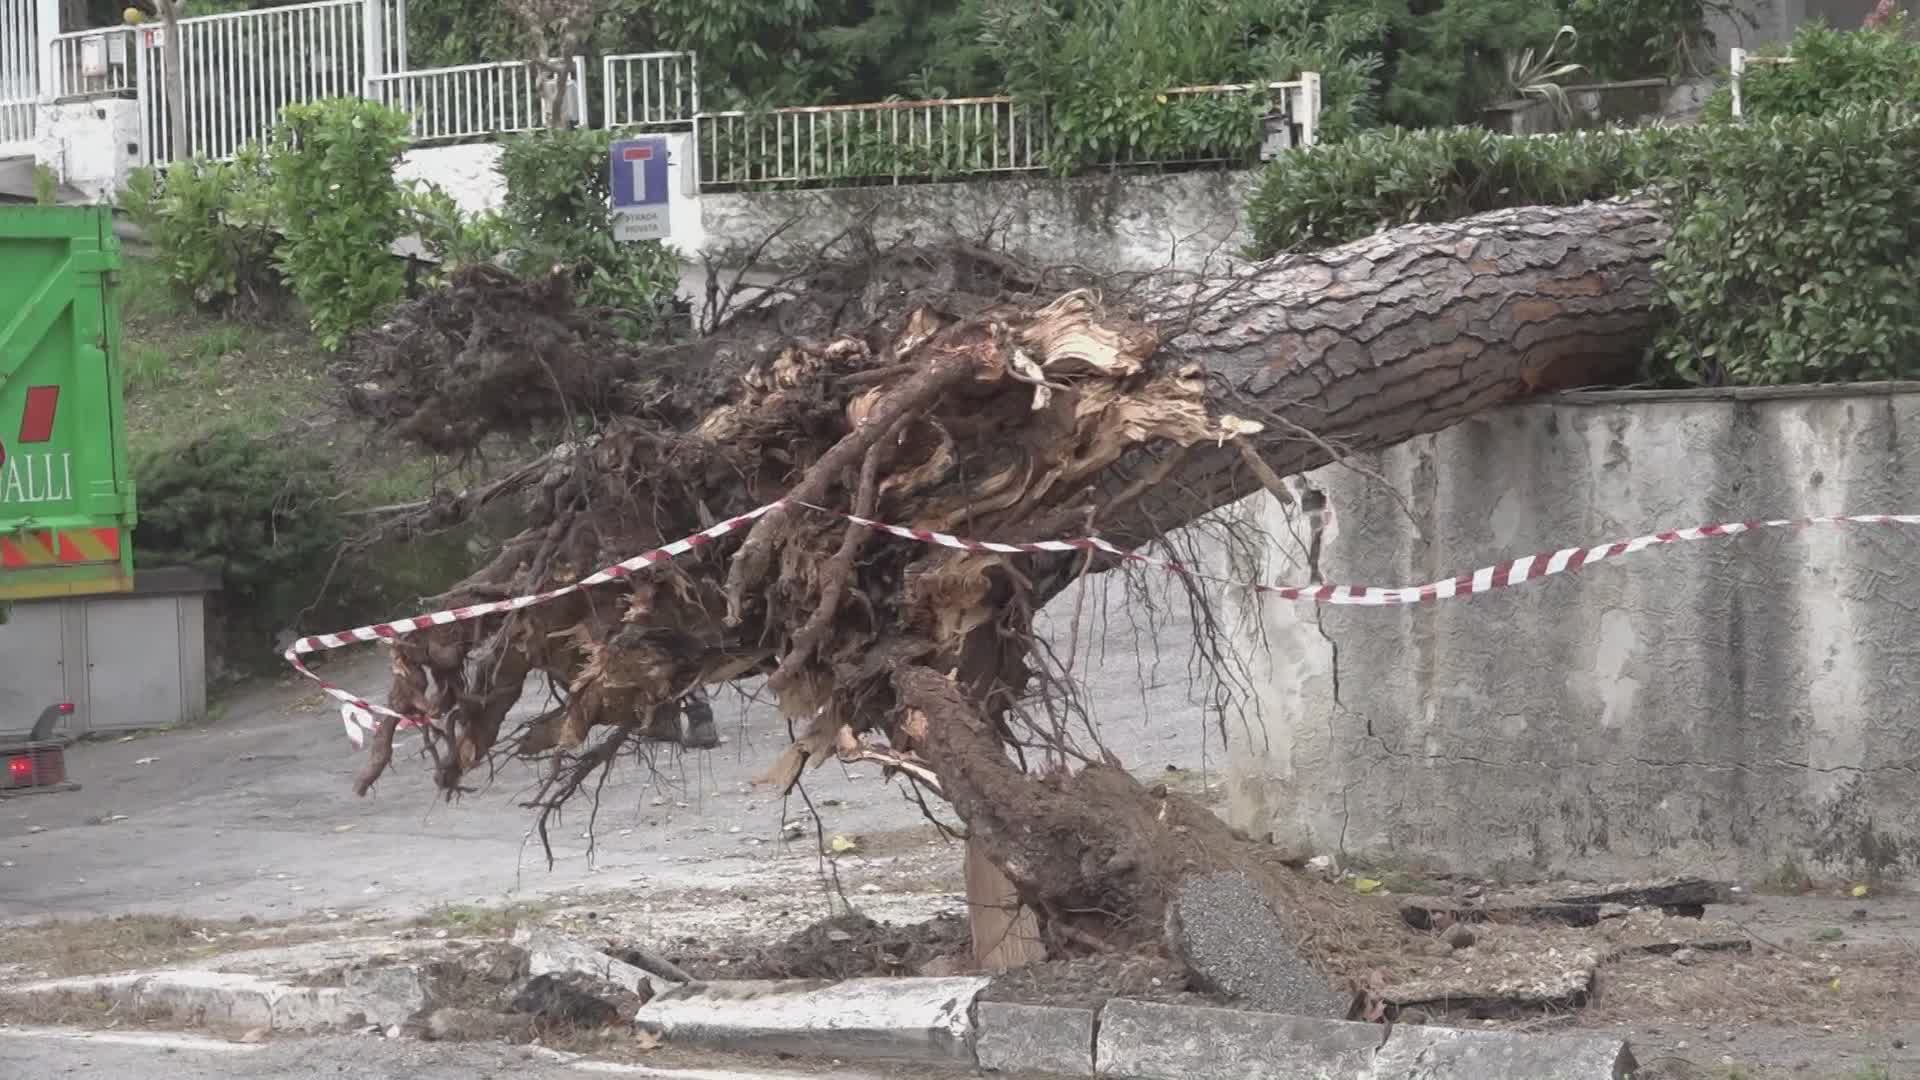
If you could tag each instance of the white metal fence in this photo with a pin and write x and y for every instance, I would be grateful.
(476, 100)
(19, 74)
(888, 142)
(93, 63)
(239, 70)
(649, 89)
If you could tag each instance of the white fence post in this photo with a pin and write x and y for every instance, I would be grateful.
(1309, 107)
(46, 28)
(373, 49)
(1737, 61)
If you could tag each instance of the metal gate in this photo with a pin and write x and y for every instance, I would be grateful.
(19, 75)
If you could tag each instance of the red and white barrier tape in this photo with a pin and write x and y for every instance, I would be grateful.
(358, 713)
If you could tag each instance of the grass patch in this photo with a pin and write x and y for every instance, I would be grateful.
(1828, 934)
(475, 919)
(60, 947)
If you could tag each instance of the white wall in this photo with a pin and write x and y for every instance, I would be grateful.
(91, 146)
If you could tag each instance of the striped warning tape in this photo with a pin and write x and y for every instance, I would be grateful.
(358, 714)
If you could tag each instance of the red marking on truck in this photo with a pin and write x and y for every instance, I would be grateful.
(36, 423)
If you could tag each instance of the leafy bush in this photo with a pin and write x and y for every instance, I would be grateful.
(453, 237)
(1635, 39)
(557, 210)
(1452, 54)
(1830, 69)
(1103, 70)
(1795, 249)
(1345, 191)
(254, 511)
(211, 226)
(342, 210)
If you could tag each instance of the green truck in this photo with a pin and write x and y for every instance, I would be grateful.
(66, 493)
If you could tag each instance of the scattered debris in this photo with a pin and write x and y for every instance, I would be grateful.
(576, 998)
(1565, 904)
(843, 947)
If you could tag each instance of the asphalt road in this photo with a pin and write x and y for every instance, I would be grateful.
(44, 1053)
(251, 814)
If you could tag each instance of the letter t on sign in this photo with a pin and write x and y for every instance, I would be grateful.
(636, 158)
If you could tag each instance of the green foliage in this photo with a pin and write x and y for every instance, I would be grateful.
(1103, 69)
(1830, 69)
(1795, 248)
(452, 237)
(341, 210)
(1449, 58)
(212, 224)
(254, 511)
(1635, 39)
(556, 208)
(1345, 191)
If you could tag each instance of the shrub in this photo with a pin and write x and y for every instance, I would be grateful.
(1830, 69)
(254, 511)
(453, 237)
(557, 212)
(1342, 192)
(210, 223)
(1796, 245)
(342, 210)
(1634, 39)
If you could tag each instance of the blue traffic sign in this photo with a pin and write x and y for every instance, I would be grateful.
(639, 171)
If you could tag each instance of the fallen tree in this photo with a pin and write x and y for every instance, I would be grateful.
(957, 391)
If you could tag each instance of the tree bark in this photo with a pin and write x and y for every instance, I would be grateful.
(1406, 333)
(1008, 418)
(174, 72)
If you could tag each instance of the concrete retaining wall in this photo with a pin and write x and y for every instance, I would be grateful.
(1112, 222)
(1723, 706)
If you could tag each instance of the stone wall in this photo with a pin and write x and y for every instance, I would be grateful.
(1112, 222)
(1724, 706)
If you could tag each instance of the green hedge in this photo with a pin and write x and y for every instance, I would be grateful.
(1796, 250)
(1341, 192)
(1831, 69)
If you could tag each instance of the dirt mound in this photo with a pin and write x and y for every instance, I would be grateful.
(843, 947)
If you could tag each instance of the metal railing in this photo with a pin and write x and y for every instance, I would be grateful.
(475, 100)
(94, 63)
(649, 89)
(888, 142)
(239, 70)
(19, 73)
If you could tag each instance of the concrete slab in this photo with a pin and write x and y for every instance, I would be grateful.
(549, 953)
(925, 1020)
(1033, 1038)
(209, 998)
(388, 994)
(1144, 1041)
(1438, 1053)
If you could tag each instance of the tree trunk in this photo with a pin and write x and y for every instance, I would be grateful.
(896, 391)
(174, 73)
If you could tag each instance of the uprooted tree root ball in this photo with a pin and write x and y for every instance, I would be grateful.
(950, 390)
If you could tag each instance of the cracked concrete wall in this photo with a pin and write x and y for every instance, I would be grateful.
(1722, 706)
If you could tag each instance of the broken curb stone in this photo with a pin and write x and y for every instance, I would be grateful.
(1141, 1040)
(1033, 1038)
(1439, 1053)
(889, 1019)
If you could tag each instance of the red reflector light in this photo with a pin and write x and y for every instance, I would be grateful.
(66, 708)
(20, 768)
